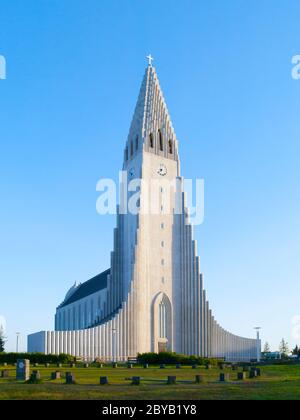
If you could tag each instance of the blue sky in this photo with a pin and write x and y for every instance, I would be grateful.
(73, 73)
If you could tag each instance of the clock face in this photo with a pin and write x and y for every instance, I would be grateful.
(21, 365)
(131, 172)
(162, 170)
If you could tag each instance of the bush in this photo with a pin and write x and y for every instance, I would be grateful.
(170, 358)
(41, 358)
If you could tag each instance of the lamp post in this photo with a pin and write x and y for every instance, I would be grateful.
(17, 346)
(258, 349)
(114, 332)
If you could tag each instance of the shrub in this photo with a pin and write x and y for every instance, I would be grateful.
(41, 358)
(173, 358)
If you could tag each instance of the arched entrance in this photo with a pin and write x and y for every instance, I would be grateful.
(162, 328)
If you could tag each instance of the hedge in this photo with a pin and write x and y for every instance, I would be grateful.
(173, 358)
(35, 358)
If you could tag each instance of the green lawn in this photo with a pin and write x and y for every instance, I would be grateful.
(276, 382)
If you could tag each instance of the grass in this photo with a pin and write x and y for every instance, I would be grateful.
(280, 382)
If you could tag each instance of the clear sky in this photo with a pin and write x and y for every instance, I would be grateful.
(74, 70)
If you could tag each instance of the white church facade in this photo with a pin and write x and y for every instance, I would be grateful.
(152, 298)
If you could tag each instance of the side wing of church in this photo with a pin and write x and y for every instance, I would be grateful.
(152, 298)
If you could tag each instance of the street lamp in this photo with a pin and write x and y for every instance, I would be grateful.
(114, 332)
(258, 349)
(17, 346)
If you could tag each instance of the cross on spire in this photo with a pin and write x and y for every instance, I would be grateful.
(150, 59)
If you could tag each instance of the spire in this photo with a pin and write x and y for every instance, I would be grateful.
(151, 125)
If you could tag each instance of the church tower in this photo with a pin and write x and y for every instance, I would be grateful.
(151, 155)
(152, 298)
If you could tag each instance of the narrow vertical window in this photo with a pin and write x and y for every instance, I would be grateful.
(162, 320)
(161, 145)
(136, 142)
(151, 141)
(131, 148)
(170, 147)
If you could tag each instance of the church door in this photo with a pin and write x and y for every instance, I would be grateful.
(162, 347)
(162, 324)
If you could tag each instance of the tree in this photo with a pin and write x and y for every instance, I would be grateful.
(267, 348)
(296, 351)
(2, 339)
(284, 348)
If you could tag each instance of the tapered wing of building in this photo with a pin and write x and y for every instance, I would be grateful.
(152, 298)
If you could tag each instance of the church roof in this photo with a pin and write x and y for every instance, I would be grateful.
(87, 288)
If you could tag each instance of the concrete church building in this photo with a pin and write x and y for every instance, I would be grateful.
(152, 298)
